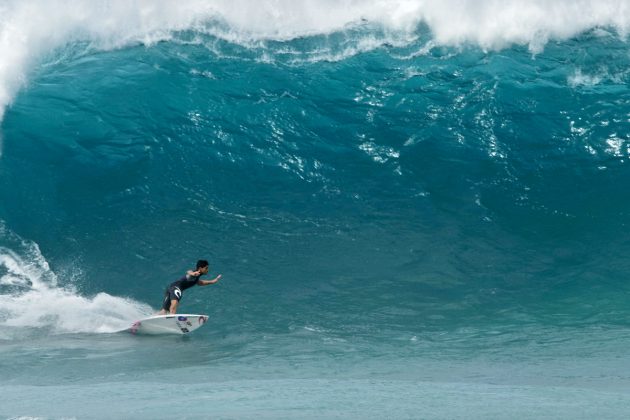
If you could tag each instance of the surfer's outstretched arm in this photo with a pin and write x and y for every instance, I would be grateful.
(207, 282)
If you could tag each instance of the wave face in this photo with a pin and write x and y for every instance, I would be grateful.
(410, 177)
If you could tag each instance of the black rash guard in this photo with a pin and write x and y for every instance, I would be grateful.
(185, 282)
(175, 289)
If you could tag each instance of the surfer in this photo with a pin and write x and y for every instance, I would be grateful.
(174, 291)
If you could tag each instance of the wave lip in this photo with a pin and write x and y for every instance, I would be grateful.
(494, 25)
(30, 30)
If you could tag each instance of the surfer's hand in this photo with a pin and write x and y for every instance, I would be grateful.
(217, 278)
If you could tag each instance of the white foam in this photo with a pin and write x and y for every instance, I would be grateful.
(31, 28)
(495, 24)
(63, 311)
(31, 297)
(581, 79)
(602, 74)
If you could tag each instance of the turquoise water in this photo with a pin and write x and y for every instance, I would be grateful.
(417, 212)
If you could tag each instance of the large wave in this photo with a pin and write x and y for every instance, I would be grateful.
(29, 30)
(449, 149)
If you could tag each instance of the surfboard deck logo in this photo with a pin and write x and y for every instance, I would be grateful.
(168, 324)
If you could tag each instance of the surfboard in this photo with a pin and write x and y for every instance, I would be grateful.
(168, 324)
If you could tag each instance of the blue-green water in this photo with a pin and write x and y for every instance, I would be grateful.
(417, 213)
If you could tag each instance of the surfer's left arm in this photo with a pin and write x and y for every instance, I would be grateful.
(208, 282)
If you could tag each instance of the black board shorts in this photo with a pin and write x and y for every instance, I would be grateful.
(171, 293)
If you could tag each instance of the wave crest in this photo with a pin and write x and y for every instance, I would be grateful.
(31, 29)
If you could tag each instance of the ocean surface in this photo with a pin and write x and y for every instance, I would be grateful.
(420, 209)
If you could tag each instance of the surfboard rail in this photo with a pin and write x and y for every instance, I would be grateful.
(168, 324)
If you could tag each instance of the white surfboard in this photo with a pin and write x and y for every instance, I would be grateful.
(168, 324)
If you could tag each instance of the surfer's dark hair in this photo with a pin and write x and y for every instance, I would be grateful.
(202, 264)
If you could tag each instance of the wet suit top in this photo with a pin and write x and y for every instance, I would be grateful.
(185, 282)
(174, 290)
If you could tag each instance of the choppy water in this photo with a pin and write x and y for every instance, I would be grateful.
(419, 208)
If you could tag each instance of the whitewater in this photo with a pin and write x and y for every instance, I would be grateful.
(419, 208)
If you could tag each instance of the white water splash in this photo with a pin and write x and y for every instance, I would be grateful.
(32, 298)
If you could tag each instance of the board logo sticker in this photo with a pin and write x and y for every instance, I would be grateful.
(182, 318)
